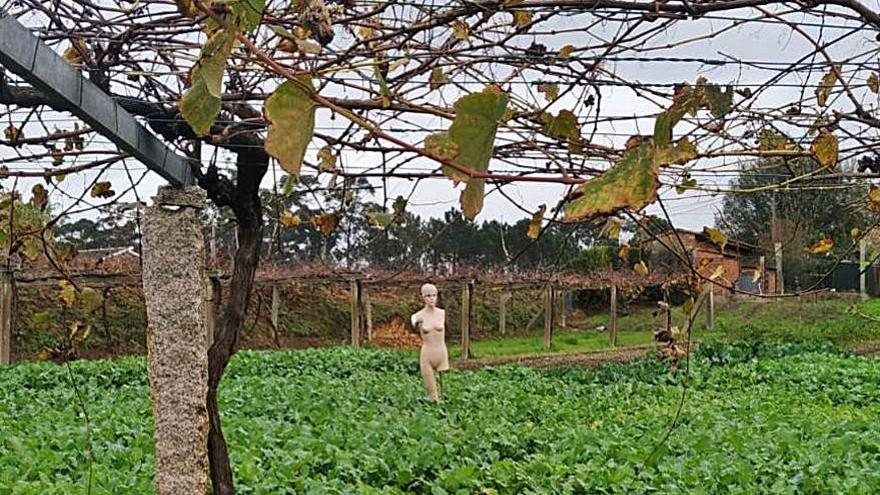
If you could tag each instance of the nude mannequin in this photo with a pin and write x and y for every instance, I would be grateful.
(430, 322)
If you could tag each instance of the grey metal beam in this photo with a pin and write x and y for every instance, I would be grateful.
(25, 55)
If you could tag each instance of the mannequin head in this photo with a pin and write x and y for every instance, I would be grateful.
(429, 295)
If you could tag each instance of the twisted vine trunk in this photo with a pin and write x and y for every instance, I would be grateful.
(245, 202)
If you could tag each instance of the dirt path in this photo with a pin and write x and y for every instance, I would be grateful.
(588, 359)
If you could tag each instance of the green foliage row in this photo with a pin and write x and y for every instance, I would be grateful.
(756, 419)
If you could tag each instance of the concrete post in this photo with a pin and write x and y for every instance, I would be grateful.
(780, 279)
(563, 306)
(863, 268)
(7, 289)
(174, 287)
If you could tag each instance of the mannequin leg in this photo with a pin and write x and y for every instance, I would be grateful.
(430, 381)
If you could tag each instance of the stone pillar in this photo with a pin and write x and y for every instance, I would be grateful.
(612, 318)
(173, 271)
(7, 289)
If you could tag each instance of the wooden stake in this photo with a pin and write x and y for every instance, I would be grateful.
(273, 315)
(613, 317)
(863, 266)
(466, 320)
(7, 289)
(355, 314)
(780, 279)
(548, 317)
(502, 312)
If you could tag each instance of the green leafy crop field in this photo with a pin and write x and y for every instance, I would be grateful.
(796, 418)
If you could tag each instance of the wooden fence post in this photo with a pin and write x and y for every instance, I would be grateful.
(763, 277)
(613, 317)
(273, 315)
(7, 289)
(563, 300)
(780, 279)
(368, 313)
(548, 317)
(466, 289)
(863, 267)
(355, 314)
(502, 311)
(710, 308)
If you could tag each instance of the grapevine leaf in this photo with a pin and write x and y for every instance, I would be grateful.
(327, 159)
(562, 126)
(200, 104)
(291, 115)
(825, 87)
(438, 78)
(460, 30)
(822, 246)
(289, 219)
(380, 218)
(550, 91)
(473, 132)
(102, 189)
(631, 183)
(716, 236)
(39, 197)
(535, 224)
(67, 294)
(874, 82)
(522, 18)
(325, 223)
(825, 148)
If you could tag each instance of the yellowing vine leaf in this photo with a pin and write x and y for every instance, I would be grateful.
(460, 30)
(39, 197)
(90, 300)
(327, 159)
(623, 252)
(380, 218)
(522, 18)
(550, 91)
(291, 115)
(611, 229)
(289, 219)
(770, 140)
(855, 233)
(756, 275)
(200, 104)
(535, 225)
(75, 53)
(825, 149)
(562, 126)
(631, 183)
(473, 133)
(12, 133)
(825, 87)
(641, 269)
(716, 236)
(822, 246)
(874, 198)
(325, 223)
(67, 294)
(718, 272)
(102, 189)
(565, 51)
(438, 78)
(874, 83)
